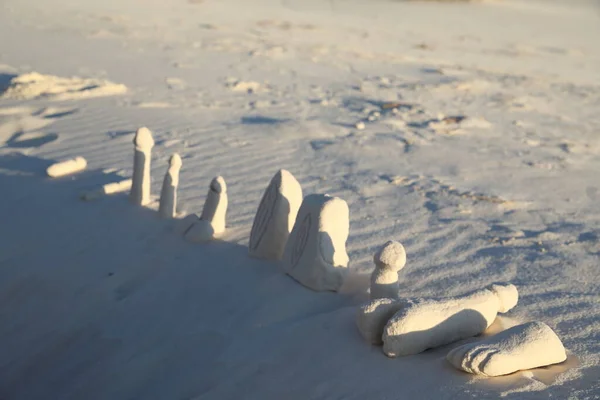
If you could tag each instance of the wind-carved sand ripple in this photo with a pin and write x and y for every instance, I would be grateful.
(431, 186)
(23, 128)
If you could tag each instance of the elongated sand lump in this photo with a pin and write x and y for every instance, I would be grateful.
(521, 347)
(429, 323)
(67, 167)
(109, 188)
(211, 224)
(389, 259)
(275, 217)
(140, 186)
(315, 253)
(168, 195)
(374, 315)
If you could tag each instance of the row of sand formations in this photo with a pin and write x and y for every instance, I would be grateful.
(308, 236)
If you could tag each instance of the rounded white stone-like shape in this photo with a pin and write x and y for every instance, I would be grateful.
(275, 216)
(389, 259)
(392, 255)
(143, 138)
(67, 167)
(315, 253)
(521, 347)
(429, 323)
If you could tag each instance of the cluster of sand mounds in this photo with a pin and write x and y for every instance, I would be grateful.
(34, 85)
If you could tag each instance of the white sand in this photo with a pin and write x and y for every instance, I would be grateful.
(430, 323)
(212, 222)
(389, 259)
(34, 85)
(102, 300)
(143, 142)
(168, 195)
(315, 253)
(66, 167)
(109, 188)
(521, 347)
(275, 216)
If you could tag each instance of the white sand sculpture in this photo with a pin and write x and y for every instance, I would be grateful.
(215, 206)
(275, 217)
(389, 259)
(429, 323)
(140, 186)
(211, 224)
(34, 85)
(66, 167)
(109, 188)
(168, 195)
(526, 346)
(374, 315)
(315, 253)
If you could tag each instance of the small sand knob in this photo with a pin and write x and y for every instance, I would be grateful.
(143, 138)
(391, 255)
(218, 185)
(507, 294)
(175, 161)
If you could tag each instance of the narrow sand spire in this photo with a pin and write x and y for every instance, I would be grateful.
(168, 195)
(275, 216)
(140, 186)
(429, 323)
(67, 167)
(211, 224)
(389, 259)
(526, 346)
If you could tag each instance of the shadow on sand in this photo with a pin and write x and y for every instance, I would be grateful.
(104, 301)
(92, 292)
(5, 81)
